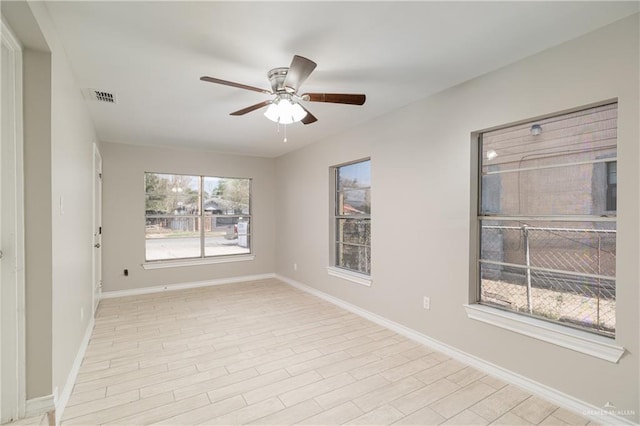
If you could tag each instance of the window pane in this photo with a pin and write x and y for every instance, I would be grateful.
(582, 247)
(226, 196)
(588, 303)
(357, 231)
(354, 202)
(356, 175)
(225, 235)
(583, 191)
(353, 198)
(172, 194)
(580, 136)
(172, 238)
(561, 170)
(356, 258)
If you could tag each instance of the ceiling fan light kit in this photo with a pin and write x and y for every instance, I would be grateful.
(285, 111)
(286, 107)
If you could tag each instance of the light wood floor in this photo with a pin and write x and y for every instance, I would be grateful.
(265, 353)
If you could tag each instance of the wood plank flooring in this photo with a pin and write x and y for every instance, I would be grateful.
(265, 353)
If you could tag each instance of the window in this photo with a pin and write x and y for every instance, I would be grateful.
(547, 219)
(196, 216)
(352, 217)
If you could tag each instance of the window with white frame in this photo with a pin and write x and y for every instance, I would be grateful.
(547, 219)
(191, 217)
(352, 217)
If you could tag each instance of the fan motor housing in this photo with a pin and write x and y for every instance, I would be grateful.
(276, 78)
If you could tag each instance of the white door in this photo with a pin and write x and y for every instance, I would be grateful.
(11, 232)
(97, 227)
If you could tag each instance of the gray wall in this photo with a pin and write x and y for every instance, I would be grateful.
(124, 223)
(58, 155)
(422, 189)
(38, 230)
(72, 139)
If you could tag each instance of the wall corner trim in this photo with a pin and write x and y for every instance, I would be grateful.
(555, 396)
(61, 402)
(183, 286)
(40, 405)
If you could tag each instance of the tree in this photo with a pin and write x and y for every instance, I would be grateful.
(155, 193)
(166, 194)
(236, 191)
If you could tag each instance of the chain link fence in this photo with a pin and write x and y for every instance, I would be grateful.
(561, 274)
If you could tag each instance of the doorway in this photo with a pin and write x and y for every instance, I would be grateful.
(12, 344)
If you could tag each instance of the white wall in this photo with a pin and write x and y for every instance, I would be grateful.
(124, 223)
(421, 208)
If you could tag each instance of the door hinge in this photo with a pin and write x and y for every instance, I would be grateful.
(100, 230)
(100, 175)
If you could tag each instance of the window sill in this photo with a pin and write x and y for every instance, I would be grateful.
(355, 277)
(576, 340)
(195, 262)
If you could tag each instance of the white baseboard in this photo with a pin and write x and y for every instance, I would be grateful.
(597, 414)
(38, 406)
(183, 286)
(61, 402)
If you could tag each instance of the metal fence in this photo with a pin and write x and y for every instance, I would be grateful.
(561, 274)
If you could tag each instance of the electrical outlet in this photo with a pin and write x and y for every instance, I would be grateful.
(295, 266)
(426, 303)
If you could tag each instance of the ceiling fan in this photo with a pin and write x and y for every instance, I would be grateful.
(286, 107)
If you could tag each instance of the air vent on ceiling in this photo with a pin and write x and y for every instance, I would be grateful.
(100, 95)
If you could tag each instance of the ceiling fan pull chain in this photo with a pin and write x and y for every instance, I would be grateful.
(285, 133)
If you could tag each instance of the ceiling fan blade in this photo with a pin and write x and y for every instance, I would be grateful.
(233, 84)
(299, 71)
(309, 118)
(336, 98)
(251, 108)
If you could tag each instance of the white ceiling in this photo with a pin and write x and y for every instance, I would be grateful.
(152, 54)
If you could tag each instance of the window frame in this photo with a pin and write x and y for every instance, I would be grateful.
(557, 333)
(201, 217)
(335, 269)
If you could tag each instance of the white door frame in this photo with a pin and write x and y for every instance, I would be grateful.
(96, 285)
(12, 303)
